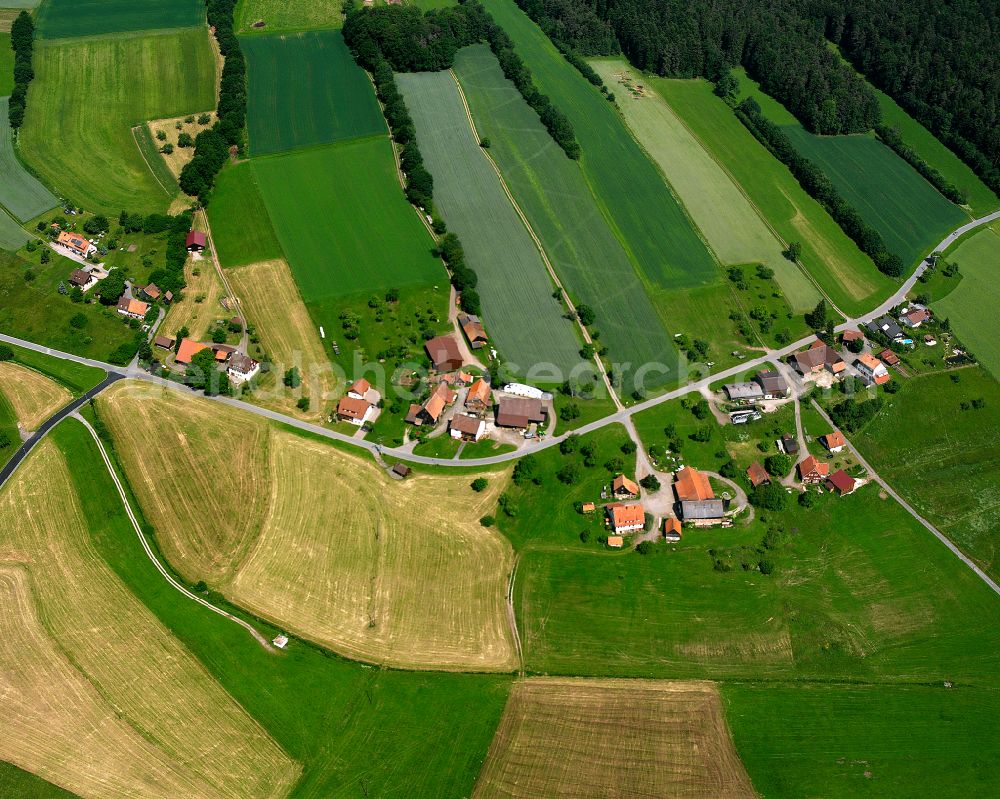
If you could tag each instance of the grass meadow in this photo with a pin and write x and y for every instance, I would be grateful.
(25, 785)
(288, 15)
(241, 228)
(12, 236)
(845, 274)
(630, 190)
(92, 158)
(944, 460)
(6, 65)
(76, 377)
(554, 194)
(970, 306)
(8, 430)
(727, 219)
(20, 192)
(352, 728)
(305, 89)
(525, 322)
(58, 19)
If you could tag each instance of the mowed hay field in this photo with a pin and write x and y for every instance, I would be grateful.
(525, 323)
(730, 224)
(33, 396)
(93, 157)
(278, 15)
(272, 304)
(199, 308)
(971, 306)
(101, 699)
(241, 228)
(71, 18)
(306, 89)
(630, 189)
(944, 460)
(327, 545)
(553, 193)
(20, 192)
(845, 273)
(343, 222)
(621, 738)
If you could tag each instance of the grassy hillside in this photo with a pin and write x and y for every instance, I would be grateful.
(554, 194)
(628, 187)
(305, 89)
(59, 19)
(281, 15)
(241, 228)
(91, 157)
(526, 324)
(970, 307)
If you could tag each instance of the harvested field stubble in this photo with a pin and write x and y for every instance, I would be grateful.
(621, 738)
(33, 396)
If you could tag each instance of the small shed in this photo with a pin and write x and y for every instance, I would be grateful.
(401, 470)
(195, 241)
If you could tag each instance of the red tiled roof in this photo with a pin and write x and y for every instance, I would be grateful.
(757, 474)
(692, 486)
(626, 515)
(841, 482)
(352, 408)
(188, 349)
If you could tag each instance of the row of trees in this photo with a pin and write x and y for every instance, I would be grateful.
(411, 41)
(940, 61)
(212, 145)
(22, 41)
(819, 186)
(776, 41)
(892, 139)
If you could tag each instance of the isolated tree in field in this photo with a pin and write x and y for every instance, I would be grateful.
(727, 87)
(303, 404)
(160, 136)
(794, 251)
(184, 140)
(167, 148)
(778, 465)
(586, 315)
(645, 548)
(79, 321)
(770, 497)
(816, 318)
(479, 484)
(570, 444)
(204, 119)
(569, 474)
(293, 377)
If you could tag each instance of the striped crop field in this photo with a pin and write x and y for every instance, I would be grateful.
(729, 222)
(33, 396)
(555, 196)
(400, 573)
(624, 738)
(93, 157)
(241, 228)
(281, 15)
(58, 19)
(20, 192)
(100, 698)
(305, 89)
(630, 190)
(524, 320)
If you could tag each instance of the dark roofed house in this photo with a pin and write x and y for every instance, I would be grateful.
(789, 445)
(82, 280)
(163, 342)
(444, 353)
(888, 357)
(467, 428)
(195, 241)
(519, 412)
(757, 474)
(816, 358)
(841, 483)
(152, 291)
(401, 470)
(703, 512)
(772, 384)
(887, 326)
(474, 331)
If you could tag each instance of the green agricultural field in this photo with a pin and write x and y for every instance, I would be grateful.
(20, 192)
(353, 728)
(91, 157)
(629, 189)
(859, 591)
(554, 195)
(10, 436)
(6, 65)
(731, 225)
(287, 15)
(845, 274)
(306, 89)
(241, 228)
(12, 237)
(76, 377)
(846, 741)
(971, 306)
(945, 460)
(525, 322)
(889, 194)
(25, 785)
(59, 19)
(980, 199)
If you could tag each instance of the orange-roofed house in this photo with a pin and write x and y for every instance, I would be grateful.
(358, 389)
(692, 486)
(757, 475)
(133, 309)
(813, 471)
(478, 398)
(625, 518)
(440, 398)
(188, 349)
(872, 368)
(834, 441)
(672, 529)
(841, 483)
(888, 357)
(76, 243)
(624, 488)
(354, 410)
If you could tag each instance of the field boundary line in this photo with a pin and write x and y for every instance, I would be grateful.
(512, 615)
(149, 550)
(534, 238)
(146, 161)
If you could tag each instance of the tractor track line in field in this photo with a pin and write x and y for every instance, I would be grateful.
(534, 238)
(149, 166)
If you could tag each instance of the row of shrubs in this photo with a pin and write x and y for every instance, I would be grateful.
(891, 138)
(819, 186)
(212, 145)
(22, 41)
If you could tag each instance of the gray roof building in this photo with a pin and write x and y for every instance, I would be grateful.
(743, 391)
(772, 384)
(887, 326)
(703, 509)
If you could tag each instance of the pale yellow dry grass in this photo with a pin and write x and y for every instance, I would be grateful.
(630, 739)
(394, 572)
(272, 304)
(200, 307)
(200, 470)
(315, 539)
(181, 156)
(95, 694)
(33, 396)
